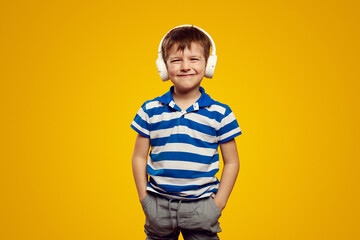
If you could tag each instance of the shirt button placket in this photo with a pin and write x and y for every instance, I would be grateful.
(181, 116)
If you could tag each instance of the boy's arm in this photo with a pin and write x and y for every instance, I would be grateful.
(139, 161)
(229, 173)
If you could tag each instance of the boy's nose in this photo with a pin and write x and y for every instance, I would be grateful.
(185, 65)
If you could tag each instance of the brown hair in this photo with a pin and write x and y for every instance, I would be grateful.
(184, 36)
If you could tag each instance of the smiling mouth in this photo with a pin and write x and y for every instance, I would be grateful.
(186, 75)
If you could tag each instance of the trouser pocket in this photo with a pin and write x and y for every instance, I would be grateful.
(158, 220)
(205, 216)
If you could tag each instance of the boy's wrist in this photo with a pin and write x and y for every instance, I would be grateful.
(142, 196)
(221, 204)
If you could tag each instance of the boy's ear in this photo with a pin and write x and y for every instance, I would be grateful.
(161, 66)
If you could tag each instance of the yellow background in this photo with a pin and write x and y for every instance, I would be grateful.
(74, 73)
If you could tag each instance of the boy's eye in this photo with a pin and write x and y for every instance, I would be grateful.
(194, 59)
(175, 60)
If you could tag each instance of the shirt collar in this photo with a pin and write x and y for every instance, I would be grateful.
(204, 100)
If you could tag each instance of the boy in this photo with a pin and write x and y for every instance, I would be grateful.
(184, 128)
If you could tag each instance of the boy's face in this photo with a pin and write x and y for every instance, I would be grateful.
(186, 68)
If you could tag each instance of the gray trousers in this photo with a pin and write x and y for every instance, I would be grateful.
(166, 218)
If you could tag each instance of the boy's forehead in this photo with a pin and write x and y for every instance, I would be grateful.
(178, 49)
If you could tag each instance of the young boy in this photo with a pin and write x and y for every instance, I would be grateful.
(184, 129)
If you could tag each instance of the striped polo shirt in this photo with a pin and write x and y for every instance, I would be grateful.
(184, 155)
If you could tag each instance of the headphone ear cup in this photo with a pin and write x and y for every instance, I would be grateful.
(210, 66)
(161, 66)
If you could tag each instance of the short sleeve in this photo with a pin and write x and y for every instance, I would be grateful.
(141, 123)
(229, 127)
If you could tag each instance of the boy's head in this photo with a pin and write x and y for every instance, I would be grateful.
(183, 37)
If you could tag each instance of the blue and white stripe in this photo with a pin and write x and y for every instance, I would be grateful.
(184, 155)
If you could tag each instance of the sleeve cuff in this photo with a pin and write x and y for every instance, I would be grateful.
(140, 132)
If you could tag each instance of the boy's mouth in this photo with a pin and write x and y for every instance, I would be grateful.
(186, 75)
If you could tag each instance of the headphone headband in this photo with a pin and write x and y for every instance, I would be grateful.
(213, 48)
(211, 61)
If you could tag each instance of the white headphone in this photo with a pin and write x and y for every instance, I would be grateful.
(210, 65)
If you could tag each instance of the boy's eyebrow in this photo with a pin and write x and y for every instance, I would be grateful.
(174, 57)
